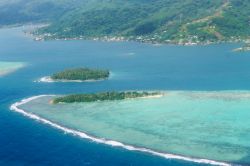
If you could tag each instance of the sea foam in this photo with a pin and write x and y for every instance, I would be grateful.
(48, 79)
(14, 107)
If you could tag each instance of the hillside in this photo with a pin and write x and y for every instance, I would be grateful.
(164, 21)
(34, 11)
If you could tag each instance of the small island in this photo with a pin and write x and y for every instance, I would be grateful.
(77, 75)
(168, 124)
(105, 96)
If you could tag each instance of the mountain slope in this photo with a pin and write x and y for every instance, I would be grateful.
(161, 19)
(175, 21)
(27, 11)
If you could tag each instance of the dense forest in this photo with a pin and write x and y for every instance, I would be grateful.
(102, 97)
(178, 21)
(32, 11)
(82, 74)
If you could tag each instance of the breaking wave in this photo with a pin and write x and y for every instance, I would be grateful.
(14, 107)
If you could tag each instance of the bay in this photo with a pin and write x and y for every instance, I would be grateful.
(135, 66)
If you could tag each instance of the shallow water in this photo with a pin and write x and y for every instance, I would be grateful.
(8, 67)
(211, 125)
(135, 67)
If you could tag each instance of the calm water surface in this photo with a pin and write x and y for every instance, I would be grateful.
(134, 66)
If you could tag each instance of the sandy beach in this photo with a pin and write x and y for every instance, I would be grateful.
(48, 79)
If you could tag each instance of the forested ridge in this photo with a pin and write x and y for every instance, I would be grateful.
(177, 21)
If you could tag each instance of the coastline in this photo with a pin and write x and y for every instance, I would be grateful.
(151, 96)
(129, 39)
(242, 49)
(139, 39)
(48, 79)
(14, 107)
(144, 97)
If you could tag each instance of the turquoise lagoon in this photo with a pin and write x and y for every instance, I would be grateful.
(135, 66)
(8, 67)
(200, 124)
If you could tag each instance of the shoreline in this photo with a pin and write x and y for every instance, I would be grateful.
(14, 107)
(48, 79)
(144, 97)
(42, 37)
(242, 49)
(157, 43)
(152, 96)
(139, 39)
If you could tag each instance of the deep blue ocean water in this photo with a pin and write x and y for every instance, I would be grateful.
(134, 66)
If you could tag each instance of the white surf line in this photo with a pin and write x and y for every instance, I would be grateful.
(14, 107)
(48, 79)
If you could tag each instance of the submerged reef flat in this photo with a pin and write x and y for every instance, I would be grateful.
(206, 127)
(9, 67)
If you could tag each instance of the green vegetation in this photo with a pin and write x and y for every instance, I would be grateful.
(102, 97)
(164, 21)
(82, 74)
(33, 11)
(151, 21)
